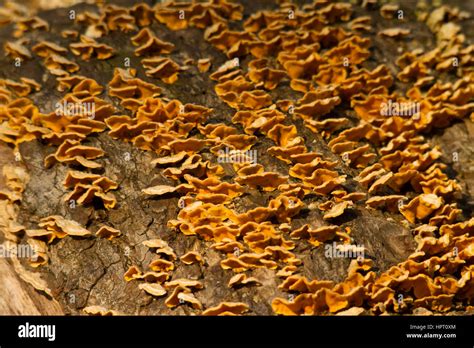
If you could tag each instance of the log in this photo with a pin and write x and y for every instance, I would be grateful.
(83, 272)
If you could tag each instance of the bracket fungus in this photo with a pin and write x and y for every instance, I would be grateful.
(256, 136)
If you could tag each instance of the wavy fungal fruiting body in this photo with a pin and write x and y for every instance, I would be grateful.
(373, 153)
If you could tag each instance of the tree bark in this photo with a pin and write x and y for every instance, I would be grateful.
(85, 272)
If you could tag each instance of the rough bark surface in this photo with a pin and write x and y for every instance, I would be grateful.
(84, 272)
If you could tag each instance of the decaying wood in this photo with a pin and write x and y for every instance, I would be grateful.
(85, 272)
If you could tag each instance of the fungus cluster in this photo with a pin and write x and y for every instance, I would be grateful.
(375, 160)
